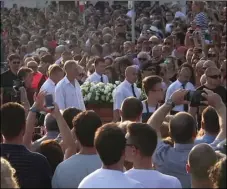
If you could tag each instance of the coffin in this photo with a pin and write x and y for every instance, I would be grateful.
(105, 111)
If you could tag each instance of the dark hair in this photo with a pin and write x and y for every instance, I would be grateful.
(50, 123)
(37, 59)
(218, 174)
(23, 72)
(210, 120)
(12, 57)
(47, 58)
(149, 82)
(144, 137)
(113, 72)
(52, 151)
(69, 114)
(110, 143)
(182, 128)
(180, 36)
(131, 108)
(86, 123)
(98, 60)
(11, 128)
(186, 65)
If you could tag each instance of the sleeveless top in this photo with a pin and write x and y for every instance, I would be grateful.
(146, 115)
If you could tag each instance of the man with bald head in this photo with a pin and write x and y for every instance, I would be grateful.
(58, 52)
(126, 89)
(67, 91)
(208, 63)
(200, 159)
(213, 83)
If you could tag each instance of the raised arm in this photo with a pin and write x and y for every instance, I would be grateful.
(159, 115)
(65, 131)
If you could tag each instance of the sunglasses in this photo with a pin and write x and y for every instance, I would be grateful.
(16, 62)
(166, 43)
(211, 55)
(215, 76)
(142, 59)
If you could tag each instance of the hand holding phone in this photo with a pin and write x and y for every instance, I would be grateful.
(195, 97)
(49, 101)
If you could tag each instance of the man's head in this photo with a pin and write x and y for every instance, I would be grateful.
(131, 74)
(85, 124)
(184, 75)
(210, 122)
(141, 141)
(200, 159)
(12, 129)
(128, 47)
(129, 104)
(50, 123)
(66, 56)
(143, 58)
(213, 76)
(96, 50)
(153, 88)
(56, 73)
(72, 69)
(182, 128)
(157, 51)
(100, 66)
(199, 68)
(45, 61)
(14, 62)
(26, 75)
(59, 50)
(68, 114)
(208, 64)
(110, 144)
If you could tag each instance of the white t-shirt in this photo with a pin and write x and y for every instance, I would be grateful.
(105, 178)
(153, 178)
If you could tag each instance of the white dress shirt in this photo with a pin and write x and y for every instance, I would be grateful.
(106, 178)
(174, 87)
(49, 87)
(153, 178)
(66, 95)
(96, 78)
(123, 91)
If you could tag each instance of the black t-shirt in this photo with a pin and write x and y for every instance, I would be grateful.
(219, 90)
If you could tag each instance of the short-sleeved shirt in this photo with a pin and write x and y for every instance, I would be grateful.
(32, 169)
(172, 161)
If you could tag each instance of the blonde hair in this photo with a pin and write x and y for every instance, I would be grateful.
(8, 179)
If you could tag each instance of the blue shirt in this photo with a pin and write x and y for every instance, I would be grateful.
(32, 169)
(172, 161)
(205, 139)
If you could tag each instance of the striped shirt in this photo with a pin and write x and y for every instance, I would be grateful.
(32, 169)
(201, 20)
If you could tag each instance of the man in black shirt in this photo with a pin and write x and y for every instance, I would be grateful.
(9, 76)
(32, 169)
(213, 83)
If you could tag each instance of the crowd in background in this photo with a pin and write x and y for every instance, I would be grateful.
(171, 139)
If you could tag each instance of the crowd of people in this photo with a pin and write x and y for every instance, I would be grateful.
(175, 138)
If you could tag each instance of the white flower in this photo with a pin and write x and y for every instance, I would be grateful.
(117, 82)
(103, 97)
(96, 98)
(89, 96)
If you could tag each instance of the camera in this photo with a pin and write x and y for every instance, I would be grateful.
(195, 97)
(17, 84)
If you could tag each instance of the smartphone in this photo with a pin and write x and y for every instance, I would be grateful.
(195, 97)
(49, 101)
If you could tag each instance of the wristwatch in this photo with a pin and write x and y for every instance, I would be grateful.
(170, 102)
(34, 109)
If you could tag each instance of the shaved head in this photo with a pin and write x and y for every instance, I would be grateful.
(200, 64)
(129, 70)
(208, 64)
(200, 159)
(131, 74)
(212, 71)
(69, 64)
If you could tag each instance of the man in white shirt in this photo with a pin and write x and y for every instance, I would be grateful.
(98, 75)
(87, 160)
(182, 82)
(55, 75)
(68, 91)
(126, 89)
(110, 144)
(141, 142)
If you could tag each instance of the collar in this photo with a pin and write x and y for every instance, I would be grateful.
(98, 74)
(15, 146)
(66, 80)
(177, 81)
(183, 146)
(127, 83)
(50, 81)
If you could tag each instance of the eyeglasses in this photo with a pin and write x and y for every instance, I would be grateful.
(142, 59)
(16, 62)
(211, 55)
(214, 76)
